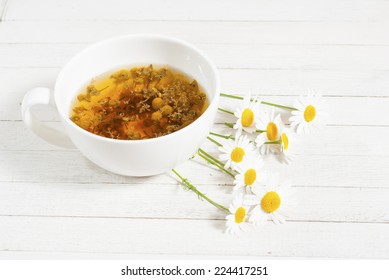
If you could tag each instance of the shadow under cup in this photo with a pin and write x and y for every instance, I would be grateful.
(137, 157)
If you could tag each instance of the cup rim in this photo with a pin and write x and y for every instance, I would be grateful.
(146, 36)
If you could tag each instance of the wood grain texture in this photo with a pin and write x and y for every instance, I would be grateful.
(71, 167)
(54, 203)
(318, 144)
(148, 201)
(241, 56)
(219, 10)
(268, 82)
(202, 32)
(342, 110)
(193, 237)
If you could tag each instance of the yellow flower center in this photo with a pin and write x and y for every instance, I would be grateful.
(250, 176)
(247, 117)
(309, 113)
(285, 141)
(240, 214)
(270, 202)
(272, 131)
(237, 154)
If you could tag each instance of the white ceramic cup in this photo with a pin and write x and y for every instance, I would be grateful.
(126, 157)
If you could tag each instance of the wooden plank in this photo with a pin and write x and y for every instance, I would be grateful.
(201, 32)
(219, 10)
(31, 77)
(349, 141)
(69, 166)
(296, 82)
(274, 57)
(270, 82)
(362, 144)
(36, 255)
(171, 237)
(341, 110)
(45, 55)
(170, 201)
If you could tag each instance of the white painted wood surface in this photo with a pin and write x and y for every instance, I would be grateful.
(56, 204)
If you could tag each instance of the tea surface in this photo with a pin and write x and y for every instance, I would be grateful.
(139, 103)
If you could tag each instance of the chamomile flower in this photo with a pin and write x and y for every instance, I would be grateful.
(271, 126)
(235, 151)
(310, 113)
(287, 145)
(238, 220)
(247, 114)
(249, 175)
(271, 201)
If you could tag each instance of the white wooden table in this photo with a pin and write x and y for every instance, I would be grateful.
(54, 203)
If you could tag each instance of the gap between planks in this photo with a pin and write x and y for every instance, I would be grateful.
(188, 219)
(176, 182)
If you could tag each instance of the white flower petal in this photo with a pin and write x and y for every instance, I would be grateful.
(298, 120)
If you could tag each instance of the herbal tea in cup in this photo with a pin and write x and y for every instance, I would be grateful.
(139, 103)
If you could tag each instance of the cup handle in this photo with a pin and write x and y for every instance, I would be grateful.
(42, 96)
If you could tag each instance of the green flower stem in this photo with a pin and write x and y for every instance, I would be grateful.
(222, 136)
(186, 183)
(231, 125)
(214, 141)
(214, 162)
(221, 167)
(262, 102)
(274, 142)
(231, 96)
(211, 157)
(279, 106)
(225, 111)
